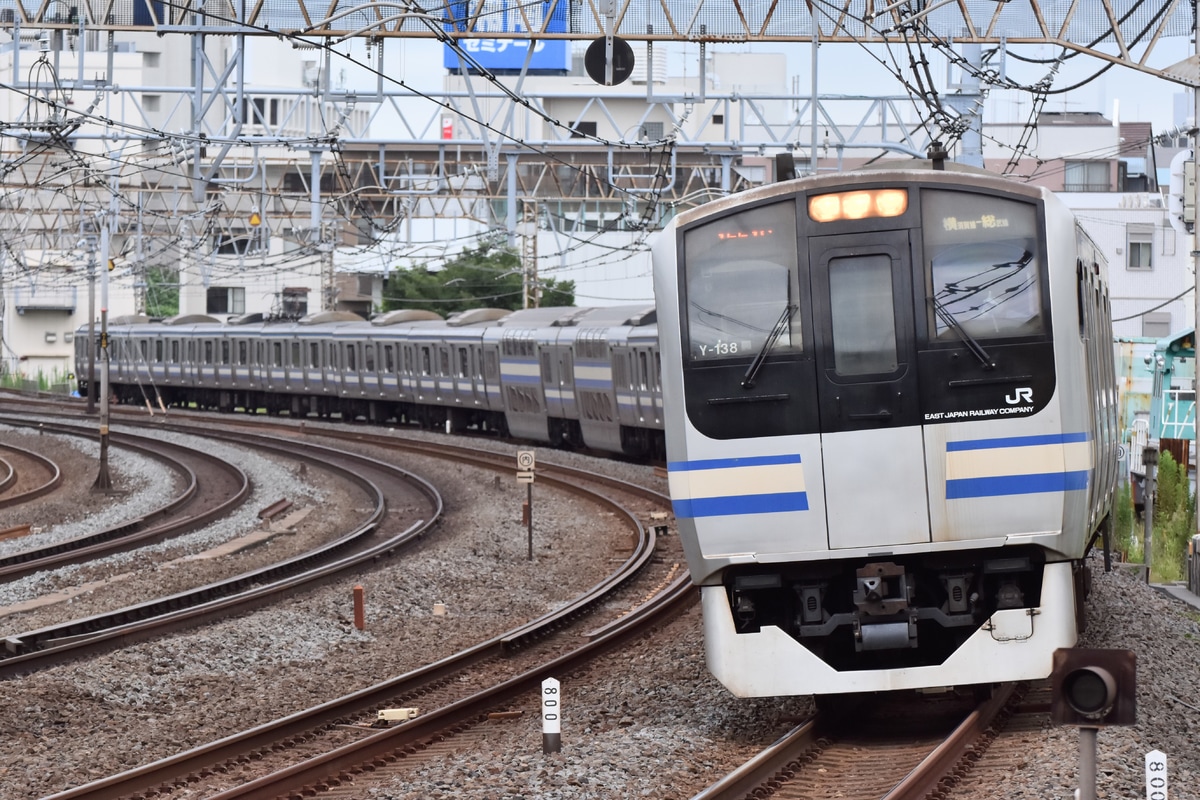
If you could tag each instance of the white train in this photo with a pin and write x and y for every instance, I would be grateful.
(891, 427)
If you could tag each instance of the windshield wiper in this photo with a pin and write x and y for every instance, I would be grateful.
(952, 322)
(764, 351)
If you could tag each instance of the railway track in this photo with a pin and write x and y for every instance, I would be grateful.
(336, 738)
(34, 465)
(375, 536)
(211, 488)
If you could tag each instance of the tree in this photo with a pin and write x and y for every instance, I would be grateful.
(482, 277)
(162, 292)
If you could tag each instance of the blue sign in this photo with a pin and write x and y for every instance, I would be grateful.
(509, 54)
(508, 16)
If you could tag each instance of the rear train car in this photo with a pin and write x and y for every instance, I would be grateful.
(891, 428)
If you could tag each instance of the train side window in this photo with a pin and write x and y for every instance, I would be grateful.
(426, 362)
(351, 356)
(491, 365)
(174, 351)
(644, 371)
(464, 363)
(983, 265)
(389, 358)
(225, 351)
(243, 353)
(277, 354)
(314, 354)
(143, 350)
(444, 361)
(191, 352)
(369, 357)
(333, 355)
(545, 368)
(863, 315)
(742, 284)
(295, 348)
(158, 350)
(208, 351)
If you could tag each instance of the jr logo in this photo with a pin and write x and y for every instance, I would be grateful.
(1020, 395)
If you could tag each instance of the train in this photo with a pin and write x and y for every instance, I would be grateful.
(562, 376)
(891, 427)
(885, 398)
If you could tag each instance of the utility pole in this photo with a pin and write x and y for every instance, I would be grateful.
(91, 398)
(103, 482)
(531, 295)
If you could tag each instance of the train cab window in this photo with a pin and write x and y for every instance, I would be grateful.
(742, 286)
(863, 315)
(985, 275)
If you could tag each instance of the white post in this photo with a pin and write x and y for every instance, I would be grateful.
(1156, 775)
(551, 716)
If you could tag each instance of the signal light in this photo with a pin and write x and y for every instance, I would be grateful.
(858, 205)
(1093, 688)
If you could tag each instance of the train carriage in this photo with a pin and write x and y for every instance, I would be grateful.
(891, 428)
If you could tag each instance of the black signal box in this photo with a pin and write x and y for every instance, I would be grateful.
(1094, 688)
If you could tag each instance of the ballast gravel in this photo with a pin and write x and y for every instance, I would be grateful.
(648, 721)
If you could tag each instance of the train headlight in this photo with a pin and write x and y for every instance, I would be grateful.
(1093, 688)
(858, 205)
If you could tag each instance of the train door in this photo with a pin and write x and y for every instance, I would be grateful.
(865, 352)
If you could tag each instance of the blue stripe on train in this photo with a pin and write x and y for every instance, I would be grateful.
(1016, 484)
(741, 504)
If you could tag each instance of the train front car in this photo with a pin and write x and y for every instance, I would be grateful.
(889, 427)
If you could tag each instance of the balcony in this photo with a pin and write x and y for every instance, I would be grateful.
(60, 300)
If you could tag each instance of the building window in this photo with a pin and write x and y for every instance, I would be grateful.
(226, 300)
(582, 129)
(1139, 246)
(1086, 176)
(1156, 324)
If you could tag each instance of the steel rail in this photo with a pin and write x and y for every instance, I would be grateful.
(38, 491)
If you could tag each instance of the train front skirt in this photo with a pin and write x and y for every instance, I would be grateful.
(1014, 644)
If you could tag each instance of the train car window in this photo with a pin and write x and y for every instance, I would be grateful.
(174, 351)
(741, 284)
(191, 352)
(491, 365)
(426, 362)
(243, 353)
(314, 354)
(158, 350)
(295, 348)
(464, 363)
(351, 357)
(545, 363)
(389, 358)
(208, 352)
(369, 357)
(143, 350)
(981, 253)
(333, 355)
(260, 354)
(444, 362)
(225, 355)
(277, 353)
(644, 371)
(863, 315)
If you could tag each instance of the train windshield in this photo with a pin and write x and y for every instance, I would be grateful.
(741, 285)
(981, 253)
